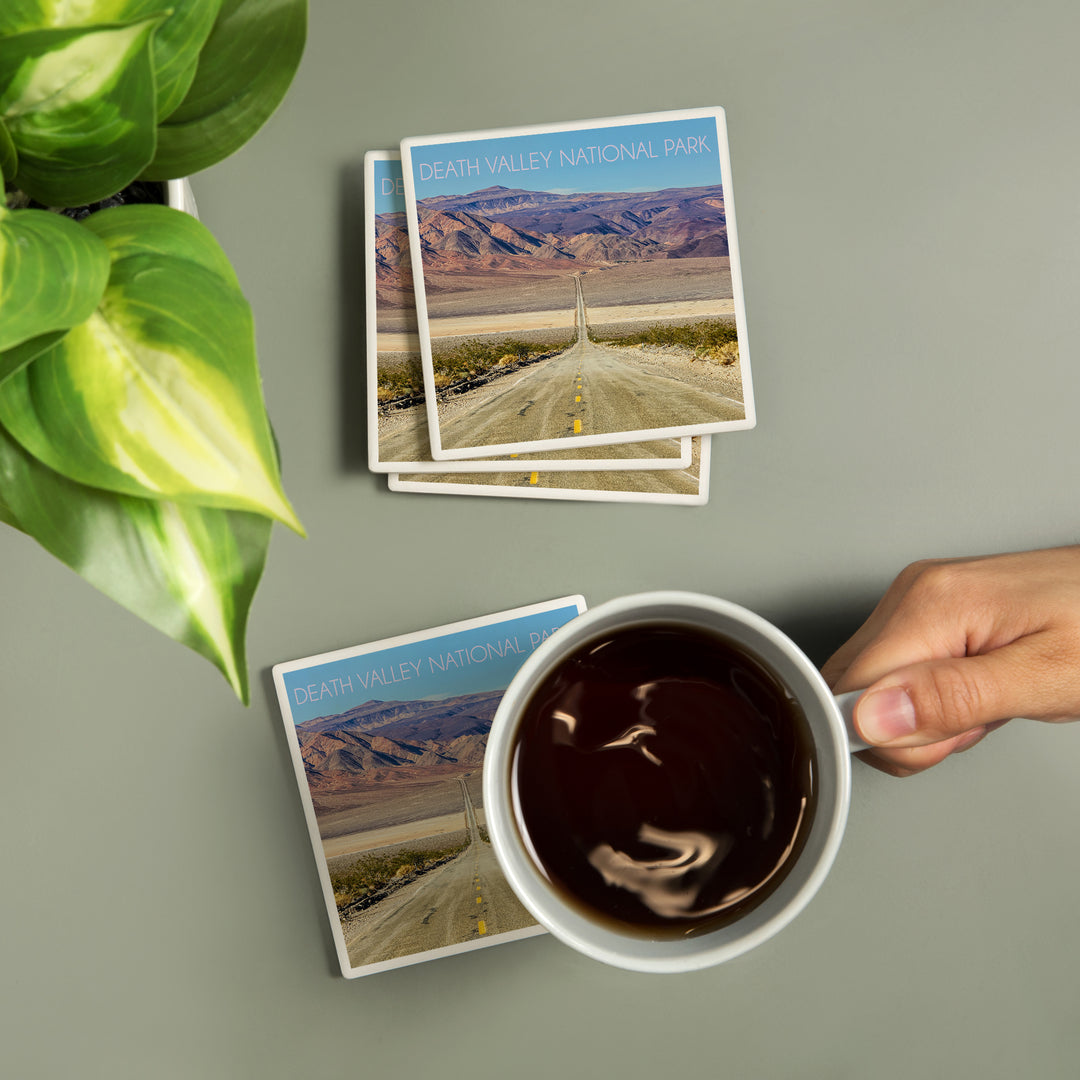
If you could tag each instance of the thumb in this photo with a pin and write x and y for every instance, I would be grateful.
(938, 699)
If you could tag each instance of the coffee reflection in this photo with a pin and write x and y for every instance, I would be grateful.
(663, 779)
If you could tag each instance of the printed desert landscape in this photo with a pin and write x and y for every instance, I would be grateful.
(495, 254)
(390, 763)
(397, 791)
(514, 279)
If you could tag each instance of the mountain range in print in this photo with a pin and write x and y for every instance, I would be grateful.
(396, 740)
(502, 228)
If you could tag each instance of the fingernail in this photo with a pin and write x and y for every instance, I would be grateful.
(976, 735)
(886, 715)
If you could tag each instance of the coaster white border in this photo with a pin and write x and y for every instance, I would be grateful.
(700, 498)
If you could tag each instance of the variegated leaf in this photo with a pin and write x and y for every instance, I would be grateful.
(157, 394)
(176, 44)
(245, 68)
(52, 275)
(79, 106)
(190, 571)
(149, 229)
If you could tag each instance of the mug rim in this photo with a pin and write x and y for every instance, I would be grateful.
(634, 951)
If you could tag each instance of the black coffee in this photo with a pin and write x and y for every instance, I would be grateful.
(664, 779)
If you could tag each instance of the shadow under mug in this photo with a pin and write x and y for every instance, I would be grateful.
(834, 738)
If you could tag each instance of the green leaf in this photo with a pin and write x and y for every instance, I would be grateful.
(17, 16)
(144, 229)
(17, 357)
(79, 106)
(53, 272)
(9, 157)
(246, 66)
(157, 394)
(189, 571)
(176, 44)
(7, 515)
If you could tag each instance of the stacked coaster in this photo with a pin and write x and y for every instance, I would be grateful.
(556, 311)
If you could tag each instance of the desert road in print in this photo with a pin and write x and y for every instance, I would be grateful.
(464, 899)
(587, 390)
(411, 443)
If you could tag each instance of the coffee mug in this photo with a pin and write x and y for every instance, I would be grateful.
(824, 718)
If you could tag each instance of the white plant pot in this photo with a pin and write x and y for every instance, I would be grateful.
(178, 194)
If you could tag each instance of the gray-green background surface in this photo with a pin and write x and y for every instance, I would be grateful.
(905, 179)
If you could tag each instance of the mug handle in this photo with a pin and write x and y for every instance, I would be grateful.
(846, 704)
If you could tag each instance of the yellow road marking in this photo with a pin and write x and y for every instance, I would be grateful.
(479, 899)
(534, 478)
(577, 427)
(578, 398)
(481, 928)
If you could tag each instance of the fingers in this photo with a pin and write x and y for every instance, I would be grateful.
(909, 760)
(915, 620)
(936, 700)
(955, 647)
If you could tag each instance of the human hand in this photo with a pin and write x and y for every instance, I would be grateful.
(956, 648)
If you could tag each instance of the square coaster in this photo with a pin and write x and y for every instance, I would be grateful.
(609, 243)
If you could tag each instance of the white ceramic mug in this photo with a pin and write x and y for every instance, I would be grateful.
(834, 739)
